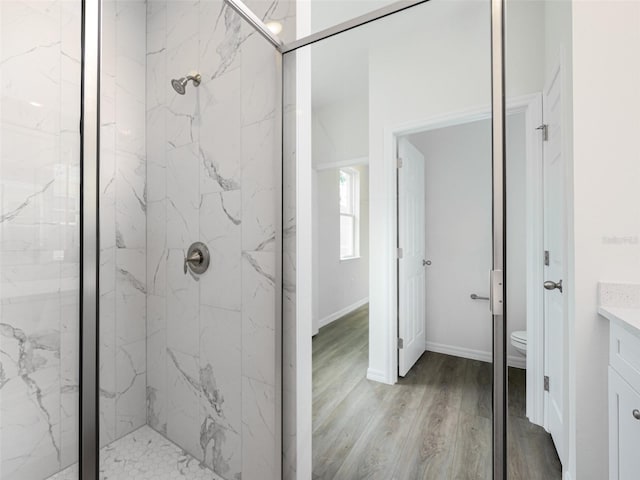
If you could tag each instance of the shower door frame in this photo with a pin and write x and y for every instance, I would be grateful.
(89, 213)
(498, 279)
(89, 239)
(89, 388)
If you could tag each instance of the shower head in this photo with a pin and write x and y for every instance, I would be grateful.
(180, 84)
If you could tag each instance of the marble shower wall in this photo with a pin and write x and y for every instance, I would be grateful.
(123, 211)
(39, 236)
(213, 162)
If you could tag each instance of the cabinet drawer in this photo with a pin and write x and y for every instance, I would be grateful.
(624, 354)
(624, 429)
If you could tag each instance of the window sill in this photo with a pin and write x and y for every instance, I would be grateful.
(348, 259)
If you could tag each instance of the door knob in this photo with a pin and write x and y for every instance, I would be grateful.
(551, 285)
(197, 258)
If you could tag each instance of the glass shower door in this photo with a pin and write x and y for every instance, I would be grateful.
(189, 147)
(388, 355)
(40, 101)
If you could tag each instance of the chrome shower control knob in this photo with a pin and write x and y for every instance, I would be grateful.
(197, 259)
(636, 414)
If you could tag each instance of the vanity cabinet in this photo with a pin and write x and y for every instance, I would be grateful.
(624, 403)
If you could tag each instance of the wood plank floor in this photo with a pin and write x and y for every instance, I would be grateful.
(434, 424)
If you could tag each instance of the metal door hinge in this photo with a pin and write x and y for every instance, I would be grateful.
(496, 292)
(400, 253)
(545, 131)
(546, 383)
(546, 258)
(399, 162)
(400, 343)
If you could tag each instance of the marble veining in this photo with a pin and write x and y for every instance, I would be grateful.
(212, 178)
(192, 357)
(124, 209)
(39, 236)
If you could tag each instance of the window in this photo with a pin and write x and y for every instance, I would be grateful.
(349, 213)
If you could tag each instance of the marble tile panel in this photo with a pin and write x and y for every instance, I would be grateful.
(131, 387)
(131, 31)
(29, 400)
(30, 440)
(258, 431)
(107, 418)
(183, 401)
(220, 230)
(69, 424)
(131, 202)
(156, 154)
(221, 139)
(258, 186)
(130, 296)
(156, 394)
(30, 60)
(222, 449)
(109, 44)
(260, 74)
(130, 117)
(107, 273)
(220, 366)
(183, 198)
(157, 248)
(70, 31)
(220, 97)
(258, 316)
(156, 27)
(181, 60)
(182, 306)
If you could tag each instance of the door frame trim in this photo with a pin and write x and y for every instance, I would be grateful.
(531, 106)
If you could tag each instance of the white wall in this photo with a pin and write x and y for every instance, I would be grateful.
(458, 233)
(326, 13)
(458, 236)
(340, 131)
(606, 181)
(339, 134)
(516, 227)
(340, 284)
(453, 74)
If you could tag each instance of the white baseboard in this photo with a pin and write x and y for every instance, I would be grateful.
(377, 376)
(512, 360)
(323, 322)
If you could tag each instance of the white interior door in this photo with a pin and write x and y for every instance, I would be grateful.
(411, 268)
(554, 271)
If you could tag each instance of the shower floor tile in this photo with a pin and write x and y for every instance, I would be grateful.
(144, 454)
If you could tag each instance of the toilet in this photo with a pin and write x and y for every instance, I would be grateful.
(519, 341)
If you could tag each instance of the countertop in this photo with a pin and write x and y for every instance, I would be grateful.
(629, 318)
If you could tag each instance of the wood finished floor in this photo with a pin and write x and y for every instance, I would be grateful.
(434, 424)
